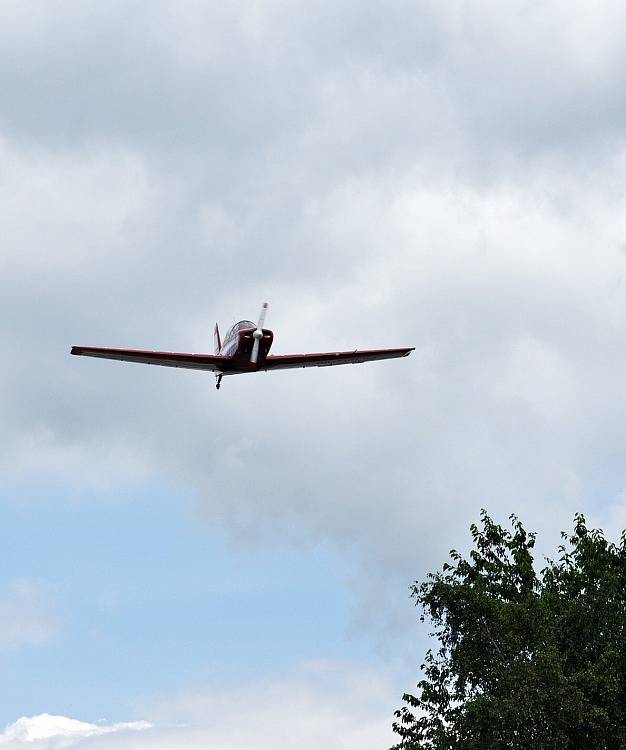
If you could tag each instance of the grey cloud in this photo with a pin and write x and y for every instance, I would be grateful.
(230, 91)
(160, 170)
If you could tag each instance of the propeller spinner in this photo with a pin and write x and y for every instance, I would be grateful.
(258, 335)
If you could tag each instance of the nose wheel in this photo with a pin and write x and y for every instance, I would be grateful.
(219, 381)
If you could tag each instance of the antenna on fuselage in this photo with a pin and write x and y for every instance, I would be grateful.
(258, 335)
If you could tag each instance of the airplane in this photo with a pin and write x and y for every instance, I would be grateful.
(245, 349)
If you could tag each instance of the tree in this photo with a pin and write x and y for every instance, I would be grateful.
(524, 660)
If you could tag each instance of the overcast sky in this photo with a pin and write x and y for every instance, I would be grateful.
(230, 569)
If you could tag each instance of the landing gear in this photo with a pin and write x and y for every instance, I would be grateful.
(219, 381)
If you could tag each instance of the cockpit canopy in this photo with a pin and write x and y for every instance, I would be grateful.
(234, 330)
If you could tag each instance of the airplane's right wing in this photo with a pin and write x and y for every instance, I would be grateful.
(166, 359)
(328, 359)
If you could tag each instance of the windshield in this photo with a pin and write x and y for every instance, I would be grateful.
(234, 330)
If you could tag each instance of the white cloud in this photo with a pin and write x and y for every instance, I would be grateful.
(28, 615)
(47, 732)
(334, 706)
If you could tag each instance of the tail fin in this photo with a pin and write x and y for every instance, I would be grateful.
(217, 339)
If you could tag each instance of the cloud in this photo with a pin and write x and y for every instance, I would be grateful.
(240, 92)
(46, 732)
(28, 615)
(337, 706)
(422, 182)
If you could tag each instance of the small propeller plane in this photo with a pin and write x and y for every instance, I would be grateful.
(245, 349)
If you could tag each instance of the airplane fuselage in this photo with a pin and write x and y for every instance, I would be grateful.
(237, 346)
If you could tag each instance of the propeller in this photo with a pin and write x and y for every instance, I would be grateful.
(258, 335)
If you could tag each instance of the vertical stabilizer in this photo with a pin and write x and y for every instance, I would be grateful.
(217, 339)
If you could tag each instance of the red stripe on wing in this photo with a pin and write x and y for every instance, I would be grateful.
(328, 359)
(165, 359)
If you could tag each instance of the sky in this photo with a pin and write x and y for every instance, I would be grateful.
(229, 570)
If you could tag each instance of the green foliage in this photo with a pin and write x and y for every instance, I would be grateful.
(523, 660)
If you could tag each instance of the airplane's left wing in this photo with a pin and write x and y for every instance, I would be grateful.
(166, 359)
(328, 359)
